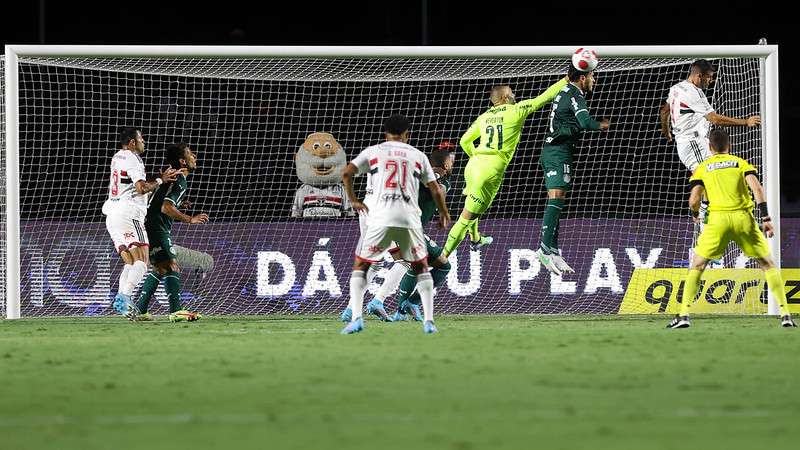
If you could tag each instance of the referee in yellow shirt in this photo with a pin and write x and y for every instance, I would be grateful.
(725, 179)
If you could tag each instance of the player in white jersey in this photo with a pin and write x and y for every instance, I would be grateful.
(687, 115)
(391, 280)
(396, 170)
(125, 212)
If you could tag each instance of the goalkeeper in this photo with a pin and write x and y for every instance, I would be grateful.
(499, 132)
(568, 119)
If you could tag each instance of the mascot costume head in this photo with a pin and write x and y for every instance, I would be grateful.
(320, 162)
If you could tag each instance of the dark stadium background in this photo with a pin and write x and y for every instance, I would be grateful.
(418, 22)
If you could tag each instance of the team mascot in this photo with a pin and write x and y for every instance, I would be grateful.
(320, 162)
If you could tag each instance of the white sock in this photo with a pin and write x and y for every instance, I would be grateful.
(123, 277)
(358, 285)
(425, 289)
(373, 270)
(135, 275)
(392, 280)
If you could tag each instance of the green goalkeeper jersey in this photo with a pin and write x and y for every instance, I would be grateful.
(168, 192)
(569, 117)
(499, 128)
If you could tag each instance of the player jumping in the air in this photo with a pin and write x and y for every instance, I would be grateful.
(568, 119)
(725, 178)
(499, 131)
(396, 169)
(125, 212)
(161, 213)
(687, 114)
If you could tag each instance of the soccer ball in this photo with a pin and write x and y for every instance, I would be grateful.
(584, 59)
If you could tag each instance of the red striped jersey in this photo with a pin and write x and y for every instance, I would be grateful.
(396, 171)
(126, 169)
(688, 107)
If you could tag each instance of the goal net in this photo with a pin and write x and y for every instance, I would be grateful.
(247, 120)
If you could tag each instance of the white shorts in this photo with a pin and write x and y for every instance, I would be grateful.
(362, 225)
(693, 152)
(378, 239)
(126, 232)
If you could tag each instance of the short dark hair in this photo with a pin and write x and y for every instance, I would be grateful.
(719, 140)
(439, 156)
(396, 124)
(175, 153)
(574, 74)
(126, 135)
(701, 66)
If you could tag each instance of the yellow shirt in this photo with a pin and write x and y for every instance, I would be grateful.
(723, 177)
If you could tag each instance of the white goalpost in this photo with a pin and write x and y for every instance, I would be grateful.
(247, 112)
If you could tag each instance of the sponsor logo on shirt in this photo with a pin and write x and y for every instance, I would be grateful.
(721, 165)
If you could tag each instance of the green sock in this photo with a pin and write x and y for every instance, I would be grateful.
(775, 285)
(457, 233)
(149, 287)
(550, 224)
(407, 285)
(474, 234)
(690, 290)
(172, 284)
(439, 274)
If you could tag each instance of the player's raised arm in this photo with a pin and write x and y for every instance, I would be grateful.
(719, 119)
(468, 139)
(666, 126)
(526, 107)
(167, 175)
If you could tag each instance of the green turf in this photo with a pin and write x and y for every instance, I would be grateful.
(507, 382)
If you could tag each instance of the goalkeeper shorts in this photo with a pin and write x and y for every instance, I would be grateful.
(724, 226)
(484, 176)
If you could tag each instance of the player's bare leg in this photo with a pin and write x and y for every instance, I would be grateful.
(775, 283)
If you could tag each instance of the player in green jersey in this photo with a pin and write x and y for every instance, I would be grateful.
(568, 120)
(408, 300)
(161, 213)
(499, 131)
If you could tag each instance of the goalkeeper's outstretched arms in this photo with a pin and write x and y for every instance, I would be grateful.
(526, 107)
(666, 126)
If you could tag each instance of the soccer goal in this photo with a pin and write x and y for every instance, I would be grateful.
(247, 112)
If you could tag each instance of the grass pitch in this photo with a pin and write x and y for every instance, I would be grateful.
(487, 382)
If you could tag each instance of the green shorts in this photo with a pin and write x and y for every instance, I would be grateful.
(161, 248)
(484, 175)
(556, 163)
